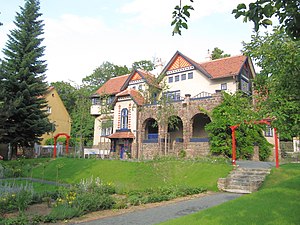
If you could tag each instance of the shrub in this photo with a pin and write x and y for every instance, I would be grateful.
(89, 202)
(62, 212)
(182, 154)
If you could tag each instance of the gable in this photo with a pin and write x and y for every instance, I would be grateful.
(135, 77)
(178, 65)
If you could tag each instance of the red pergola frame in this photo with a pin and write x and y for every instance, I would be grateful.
(264, 121)
(67, 143)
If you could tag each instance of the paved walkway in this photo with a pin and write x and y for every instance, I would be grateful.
(253, 164)
(163, 213)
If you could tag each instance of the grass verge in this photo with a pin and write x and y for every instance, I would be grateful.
(127, 176)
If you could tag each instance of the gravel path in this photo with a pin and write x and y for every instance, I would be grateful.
(163, 213)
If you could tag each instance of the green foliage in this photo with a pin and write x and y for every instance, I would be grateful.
(146, 65)
(277, 85)
(236, 109)
(67, 92)
(19, 200)
(182, 154)
(82, 121)
(151, 195)
(102, 74)
(261, 12)
(22, 81)
(180, 17)
(218, 54)
(62, 212)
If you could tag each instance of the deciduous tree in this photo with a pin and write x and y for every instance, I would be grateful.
(236, 109)
(278, 83)
(261, 11)
(102, 74)
(218, 54)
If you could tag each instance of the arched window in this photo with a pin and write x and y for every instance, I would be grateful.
(124, 119)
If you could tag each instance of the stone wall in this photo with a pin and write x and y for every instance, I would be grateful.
(149, 150)
(185, 110)
(196, 149)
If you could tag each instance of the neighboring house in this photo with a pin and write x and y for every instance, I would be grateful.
(126, 121)
(57, 114)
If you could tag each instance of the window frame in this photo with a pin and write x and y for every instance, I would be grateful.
(224, 86)
(183, 76)
(124, 118)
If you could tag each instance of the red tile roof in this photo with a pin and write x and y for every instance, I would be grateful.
(113, 85)
(224, 67)
(150, 78)
(134, 94)
(121, 134)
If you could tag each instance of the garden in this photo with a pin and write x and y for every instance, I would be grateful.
(68, 187)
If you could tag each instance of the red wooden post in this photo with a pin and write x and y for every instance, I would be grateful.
(233, 145)
(54, 150)
(67, 145)
(276, 148)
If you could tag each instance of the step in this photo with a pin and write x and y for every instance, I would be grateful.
(237, 191)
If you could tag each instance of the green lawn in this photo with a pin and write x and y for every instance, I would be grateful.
(277, 202)
(134, 175)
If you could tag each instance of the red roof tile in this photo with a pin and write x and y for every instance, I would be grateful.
(121, 134)
(224, 67)
(150, 78)
(134, 94)
(113, 85)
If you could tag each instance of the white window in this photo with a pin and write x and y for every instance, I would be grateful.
(49, 109)
(170, 80)
(224, 86)
(124, 119)
(269, 131)
(176, 78)
(190, 75)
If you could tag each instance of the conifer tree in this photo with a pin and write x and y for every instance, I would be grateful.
(22, 80)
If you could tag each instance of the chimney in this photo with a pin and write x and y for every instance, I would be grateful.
(208, 56)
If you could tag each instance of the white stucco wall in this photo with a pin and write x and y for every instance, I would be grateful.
(132, 114)
(198, 84)
(97, 131)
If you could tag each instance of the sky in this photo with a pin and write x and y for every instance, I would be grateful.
(80, 35)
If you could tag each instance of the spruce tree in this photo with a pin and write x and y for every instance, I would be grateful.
(22, 80)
